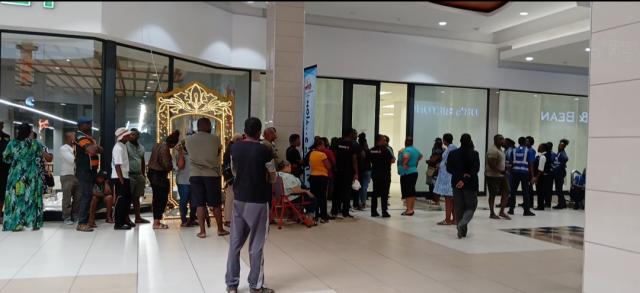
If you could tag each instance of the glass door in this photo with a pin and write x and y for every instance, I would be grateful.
(361, 107)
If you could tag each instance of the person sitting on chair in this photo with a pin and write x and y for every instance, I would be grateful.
(293, 189)
(101, 192)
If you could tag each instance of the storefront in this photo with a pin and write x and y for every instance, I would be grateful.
(49, 80)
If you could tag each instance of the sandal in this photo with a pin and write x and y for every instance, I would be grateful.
(110, 221)
(201, 235)
(504, 216)
(445, 223)
(408, 214)
(494, 217)
(92, 225)
(142, 221)
(160, 227)
(223, 233)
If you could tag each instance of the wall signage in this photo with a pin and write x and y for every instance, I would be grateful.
(565, 117)
(45, 4)
(445, 111)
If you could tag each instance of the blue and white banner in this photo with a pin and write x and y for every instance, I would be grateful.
(308, 120)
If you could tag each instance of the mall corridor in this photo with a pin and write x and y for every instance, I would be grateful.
(399, 254)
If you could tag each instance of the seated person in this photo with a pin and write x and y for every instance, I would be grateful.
(293, 188)
(101, 191)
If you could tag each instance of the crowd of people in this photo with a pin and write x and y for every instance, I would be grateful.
(340, 170)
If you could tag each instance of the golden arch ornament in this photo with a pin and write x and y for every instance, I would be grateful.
(198, 100)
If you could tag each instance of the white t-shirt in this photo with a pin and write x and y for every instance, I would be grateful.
(68, 166)
(120, 157)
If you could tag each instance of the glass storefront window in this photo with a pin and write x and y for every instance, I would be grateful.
(49, 82)
(139, 76)
(547, 118)
(393, 118)
(364, 104)
(439, 110)
(328, 105)
(235, 83)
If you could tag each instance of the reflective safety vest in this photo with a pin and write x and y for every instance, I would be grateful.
(519, 160)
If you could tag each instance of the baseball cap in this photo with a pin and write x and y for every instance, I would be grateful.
(83, 120)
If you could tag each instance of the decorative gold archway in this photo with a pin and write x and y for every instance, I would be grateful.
(198, 100)
(194, 99)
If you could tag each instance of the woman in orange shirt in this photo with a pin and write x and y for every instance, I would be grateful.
(319, 179)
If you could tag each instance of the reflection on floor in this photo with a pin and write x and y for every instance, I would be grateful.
(571, 236)
(399, 254)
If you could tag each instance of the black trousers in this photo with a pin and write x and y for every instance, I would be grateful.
(380, 190)
(319, 186)
(516, 180)
(559, 182)
(123, 202)
(341, 195)
(544, 187)
(160, 186)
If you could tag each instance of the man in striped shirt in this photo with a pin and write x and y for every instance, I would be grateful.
(87, 163)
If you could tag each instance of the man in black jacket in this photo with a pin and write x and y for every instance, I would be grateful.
(464, 165)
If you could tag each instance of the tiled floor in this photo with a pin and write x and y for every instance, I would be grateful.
(400, 254)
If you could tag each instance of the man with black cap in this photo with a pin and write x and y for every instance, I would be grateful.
(87, 162)
(4, 168)
(136, 151)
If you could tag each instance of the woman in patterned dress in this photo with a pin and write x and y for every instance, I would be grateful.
(443, 182)
(25, 185)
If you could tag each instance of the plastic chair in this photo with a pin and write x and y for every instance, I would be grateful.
(280, 204)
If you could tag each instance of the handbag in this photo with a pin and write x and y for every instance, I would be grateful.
(356, 185)
(48, 179)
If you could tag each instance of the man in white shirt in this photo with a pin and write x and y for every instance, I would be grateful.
(120, 178)
(70, 186)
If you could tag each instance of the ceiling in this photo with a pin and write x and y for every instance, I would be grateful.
(547, 31)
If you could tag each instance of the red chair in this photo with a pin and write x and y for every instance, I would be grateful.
(280, 204)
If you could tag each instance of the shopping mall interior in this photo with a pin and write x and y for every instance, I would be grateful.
(549, 70)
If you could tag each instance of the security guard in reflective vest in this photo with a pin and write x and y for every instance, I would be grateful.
(520, 176)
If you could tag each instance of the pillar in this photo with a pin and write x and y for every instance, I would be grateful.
(612, 220)
(285, 40)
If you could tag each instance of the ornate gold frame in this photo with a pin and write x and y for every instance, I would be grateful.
(194, 99)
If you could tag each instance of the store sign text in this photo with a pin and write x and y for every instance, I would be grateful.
(45, 4)
(447, 111)
(565, 117)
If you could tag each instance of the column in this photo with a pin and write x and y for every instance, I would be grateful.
(612, 239)
(285, 40)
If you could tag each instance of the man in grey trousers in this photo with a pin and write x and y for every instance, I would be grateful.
(254, 170)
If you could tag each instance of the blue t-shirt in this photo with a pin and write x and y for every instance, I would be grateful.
(414, 156)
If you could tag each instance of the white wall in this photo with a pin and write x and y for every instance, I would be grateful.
(612, 241)
(67, 17)
(403, 58)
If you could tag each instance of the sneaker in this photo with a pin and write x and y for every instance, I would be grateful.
(375, 214)
(262, 290)
(386, 215)
(84, 228)
(528, 214)
(68, 221)
(510, 212)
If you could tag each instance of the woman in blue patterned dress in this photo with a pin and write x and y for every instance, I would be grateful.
(443, 182)
(25, 185)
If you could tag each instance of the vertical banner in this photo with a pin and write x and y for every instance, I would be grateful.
(308, 121)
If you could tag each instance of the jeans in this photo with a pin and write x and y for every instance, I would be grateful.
(123, 202)
(523, 179)
(365, 179)
(184, 191)
(71, 194)
(380, 190)
(319, 190)
(86, 194)
(160, 187)
(465, 203)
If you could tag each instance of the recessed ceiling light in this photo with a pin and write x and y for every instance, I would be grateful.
(442, 23)
(524, 13)
(57, 68)
(152, 81)
(68, 60)
(576, 99)
(442, 92)
(382, 93)
(387, 114)
(529, 59)
(63, 104)
(388, 106)
(250, 2)
(154, 75)
(146, 93)
(587, 49)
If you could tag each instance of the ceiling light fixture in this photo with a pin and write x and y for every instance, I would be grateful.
(382, 93)
(57, 68)
(587, 49)
(387, 114)
(524, 13)
(68, 60)
(442, 92)
(8, 103)
(151, 81)
(388, 106)
(442, 23)
(529, 59)
(63, 104)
